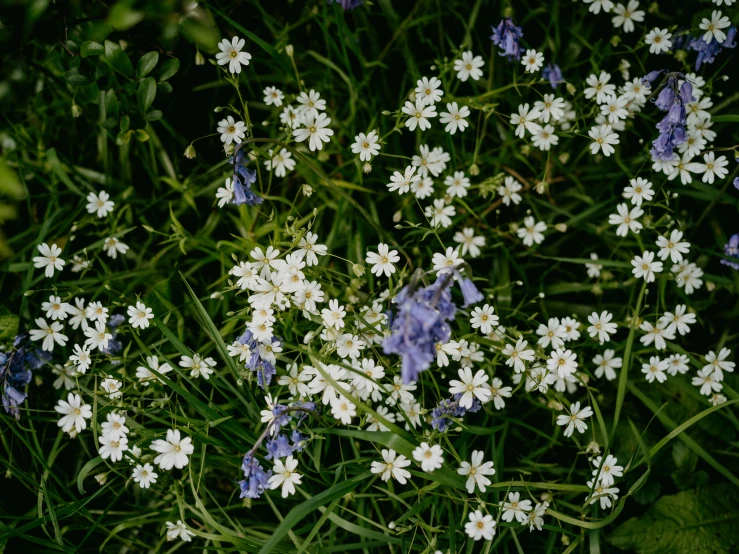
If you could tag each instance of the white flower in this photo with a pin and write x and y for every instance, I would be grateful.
(446, 261)
(144, 475)
(333, 316)
(596, 5)
(626, 220)
(562, 362)
(469, 66)
(97, 337)
(470, 387)
(607, 364)
(285, 476)
(382, 261)
(601, 327)
(484, 319)
(112, 387)
(457, 185)
(49, 259)
(709, 381)
(509, 191)
(614, 109)
(440, 213)
(672, 247)
(576, 419)
(342, 409)
(51, 334)
(593, 269)
(231, 131)
(281, 162)
(392, 466)
(113, 247)
(74, 413)
(115, 426)
(713, 27)
(99, 204)
(517, 355)
(225, 193)
(81, 359)
(499, 392)
(455, 118)
(273, 96)
(636, 90)
(139, 316)
(532, 231)
(470, 243)
(553, 332)
(56, 309)
(419, 115)
(480, 526)
(348, 345)
(174, 451)
(627, 15)
(544, 138)
(175, 530)
(658, 40)
(430, 457)
(525, 120)
(712, 167)
(655, 369)
(428, 91)
(678, 364)
(199, 367)
(112, 447)
(476, 472)
(95, 311)
(657, 334)
(289, 117)
(315, 130)
(639, 190)
(310, 104)
(231, 54)
(532, 60)
(550, 107)
(515, 507)
(402, 181)
(311, 250)
(719, 363)
(606, 470)
(645, 266)
(603, 139)
(599, 87)
(366, 145)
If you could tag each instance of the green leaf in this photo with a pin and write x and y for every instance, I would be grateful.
(146, 94)
(91, 48)
(118, 59)
(74, 78)
(153, 115)
(141, 135)
(164, 87)
(86, 469)
(699, 521)
(168, 69)
(10, 185)
(8, 327)
(147, 62)
(122, 16)
(111, 103)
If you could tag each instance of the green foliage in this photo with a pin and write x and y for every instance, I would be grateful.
(699, 521)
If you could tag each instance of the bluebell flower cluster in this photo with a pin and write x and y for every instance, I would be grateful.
(441, 416)
(242, 178)
(421, 322)
(731, 249)
(282, 447)
(114, 345)
(16, 370)
(256, 362)
(256, 480)
(707, 51)
(553, 74)
(506, 36)
(671, 99)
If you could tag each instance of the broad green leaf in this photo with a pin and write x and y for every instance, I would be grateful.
(118, 59)
(8, 327)
(91, 48)
(699, 521)
(111, 103)
(168, 69)
(10, 185)
(153, 115)
(147, 62)
(146, 94)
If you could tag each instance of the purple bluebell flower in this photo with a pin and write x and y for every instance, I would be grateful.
(553, 73)
(242, 178)
(672, 128)
(707, 51)
(731, 249)
(736, 183)
(256, 480)
(264, 369)
(282, 447)
(16, 370)
(506, 36)
(469, 292)
(347, 4)
(441, 416)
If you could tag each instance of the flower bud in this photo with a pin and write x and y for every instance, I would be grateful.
(199, 58)
(358, 269)
(190, 152)
(307, 190)
(474, 170)
(289, 50)
(76, 110)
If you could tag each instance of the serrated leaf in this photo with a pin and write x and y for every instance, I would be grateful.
(147, 62)
(168, 69)
(118, 59)
(699, 521)
(91, 48)
(146, 94)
